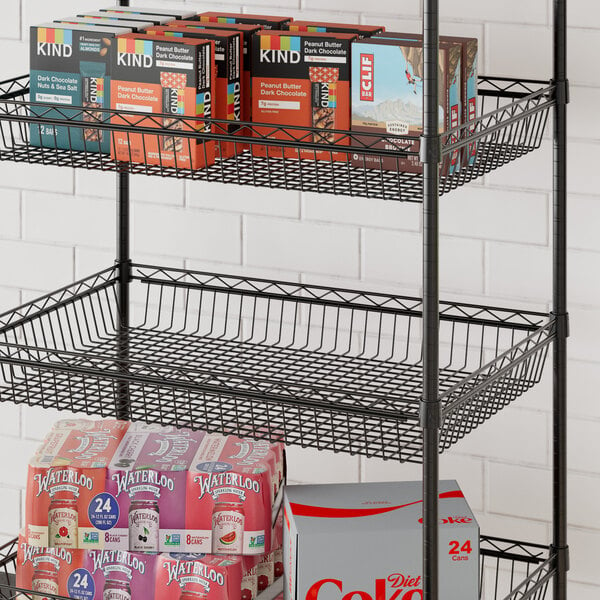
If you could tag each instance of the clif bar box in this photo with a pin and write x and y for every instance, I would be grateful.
(125, 26)
(302, 79)
(266, 21)
(365, 540)
(71, 67)
(152, 19)
(321, 27)
(163, 12)
(247, 32)
(159, 75)
(228, 86)
(387, 97)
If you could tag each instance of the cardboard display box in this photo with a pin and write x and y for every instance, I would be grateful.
(322, 27)
(128, 26)
(266, 21)
(153, 19)
(163, 12)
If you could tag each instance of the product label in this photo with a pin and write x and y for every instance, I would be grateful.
(228, 532)
(143, 530)
(62, 527)
(43, 587)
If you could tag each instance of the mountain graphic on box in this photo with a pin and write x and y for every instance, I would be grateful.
(390, 110)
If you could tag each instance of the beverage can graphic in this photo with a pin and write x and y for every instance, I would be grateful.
(228, 522)
(250, 579)
(45, 581)
(116, 589)
(144, 519)
(63, 521)
(265, 571)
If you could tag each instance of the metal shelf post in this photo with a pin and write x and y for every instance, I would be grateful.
(559, 301)
(430, 407)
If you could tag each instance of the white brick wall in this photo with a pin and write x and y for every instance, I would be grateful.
(55, 225)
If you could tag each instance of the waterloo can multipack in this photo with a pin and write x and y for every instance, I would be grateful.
(160, 75)
(70, 66)
(322, 27)
(66, 494)
(228, 84)
(163, 12)
(266, 21)
(302, 79)
(198, 577)
(125, 26)
(365, 540)
(387, 98)
(147, 18)
(148, 477)
(230, 496)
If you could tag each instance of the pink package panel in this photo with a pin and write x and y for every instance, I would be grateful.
(148, 477)
(121, 575)
(198, 577)
(230, 495)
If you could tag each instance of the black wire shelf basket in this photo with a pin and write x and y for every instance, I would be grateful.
(509, 570)
(513, 115)
(308, 365)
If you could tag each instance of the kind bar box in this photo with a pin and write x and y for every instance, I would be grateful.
(118, 575)
(66, 496)
(70, 66)
(468, 78)
(329, 530)
(128, 26)
(152, 19)
(48, 571)
(228, 85)
(316, 26)
(247, 32)
(156, 75)
(230, 496)
(387, 97)
(266, 21)
(198, 577)
(302, 79)
(163, 12)
(148, 478)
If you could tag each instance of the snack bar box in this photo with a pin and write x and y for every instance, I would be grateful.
(366, 540)
(125, 26)
(163, 12)
(152, 19)
(66, 496)
(160, 75)
(321, 27)
(302, 79)
(387, 97)
(198, 577)
(247, 32)
(228, 84)
(266, 21)
(147, 476)
(231, 492)
(70, 66)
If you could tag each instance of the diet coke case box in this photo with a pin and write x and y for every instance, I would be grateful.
(148, 477)
(120, 575)
(198, 577)
(66, 503)
(330, 529)
(58, 571)
(230, 495)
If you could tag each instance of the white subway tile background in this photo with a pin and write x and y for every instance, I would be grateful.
(495, 247)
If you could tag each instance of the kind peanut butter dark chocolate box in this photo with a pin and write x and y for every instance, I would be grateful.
(302, 79)
(228, 89)
(170, 76)
(267, 21)
(319, 27)
(127, 26)
(152, 19)
(162, 12)
(247, 32)
(387, 98)
(71, 67)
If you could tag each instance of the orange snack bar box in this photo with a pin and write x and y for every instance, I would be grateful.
(170, 76)
(228, 85)
(65, 477)
(302, 79)
(267, 21)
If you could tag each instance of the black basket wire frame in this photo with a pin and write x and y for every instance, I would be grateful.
(309, 365)
(509, 570)
(514, 116)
